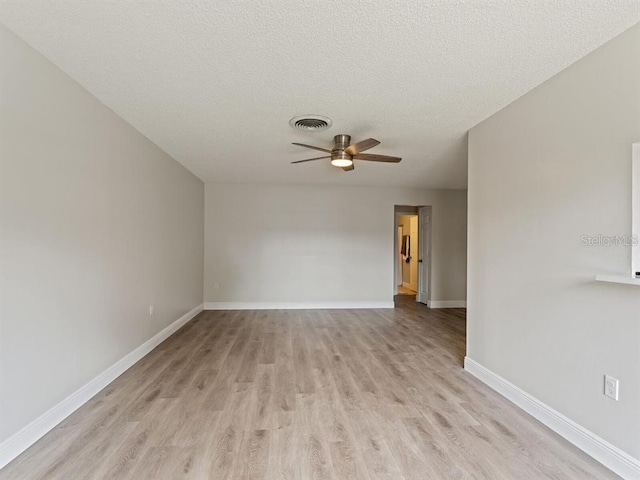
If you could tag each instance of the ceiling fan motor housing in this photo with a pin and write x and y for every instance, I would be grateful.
(340, 143)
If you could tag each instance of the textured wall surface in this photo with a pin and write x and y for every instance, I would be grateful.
(551, 167)
(281, 243)
(96, 224)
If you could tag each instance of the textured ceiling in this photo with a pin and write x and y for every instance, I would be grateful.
(214, 83)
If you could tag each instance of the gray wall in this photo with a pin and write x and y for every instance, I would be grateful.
(547, 169)
(276, 243)
(97, 223)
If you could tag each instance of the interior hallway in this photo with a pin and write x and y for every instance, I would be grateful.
(402, 290)
(305, 394)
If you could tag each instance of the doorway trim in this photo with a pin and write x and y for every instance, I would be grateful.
(398, 265)
(408, 210)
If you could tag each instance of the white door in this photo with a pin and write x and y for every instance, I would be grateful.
(424, 254)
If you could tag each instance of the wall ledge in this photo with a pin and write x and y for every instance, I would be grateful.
(27, 436)
(609, 455)
(618, 279)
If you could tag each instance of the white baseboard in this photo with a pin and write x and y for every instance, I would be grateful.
(23, 439)
(447, 303)
(293, 306)
(610, 456)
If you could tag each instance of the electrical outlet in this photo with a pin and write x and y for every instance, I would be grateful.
(150, 310)
(216, 285)
(611, 386)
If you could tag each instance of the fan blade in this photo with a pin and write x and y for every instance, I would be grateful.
(309, 159)
(349, 168)
(377, 158)
(311, 146)
(361, 146)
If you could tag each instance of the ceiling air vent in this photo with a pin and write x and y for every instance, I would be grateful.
(310, 123)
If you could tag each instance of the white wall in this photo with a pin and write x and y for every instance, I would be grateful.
(97, 223)
(305, 244)
(550, 167)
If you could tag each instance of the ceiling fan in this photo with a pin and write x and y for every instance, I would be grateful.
(342, 154)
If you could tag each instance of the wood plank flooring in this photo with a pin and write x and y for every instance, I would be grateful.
(333, 394)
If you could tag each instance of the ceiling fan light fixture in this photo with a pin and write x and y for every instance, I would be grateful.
(339, 158)
(341, 162)
(343, 153)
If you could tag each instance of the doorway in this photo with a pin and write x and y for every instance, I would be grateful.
(412, 252)
(408, 254)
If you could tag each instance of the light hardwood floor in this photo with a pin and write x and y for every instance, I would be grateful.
(340, 394)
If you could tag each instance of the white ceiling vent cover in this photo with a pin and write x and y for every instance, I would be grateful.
(310, 123)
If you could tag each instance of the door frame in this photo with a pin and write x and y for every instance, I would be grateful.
(409, 210)
(397, 270)
(396, 250)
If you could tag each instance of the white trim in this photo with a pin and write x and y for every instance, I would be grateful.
(635, 208)
(23, 439)
(447, 303)
(610, 456)
(618, 279)
(293, 306)
(408, 285)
